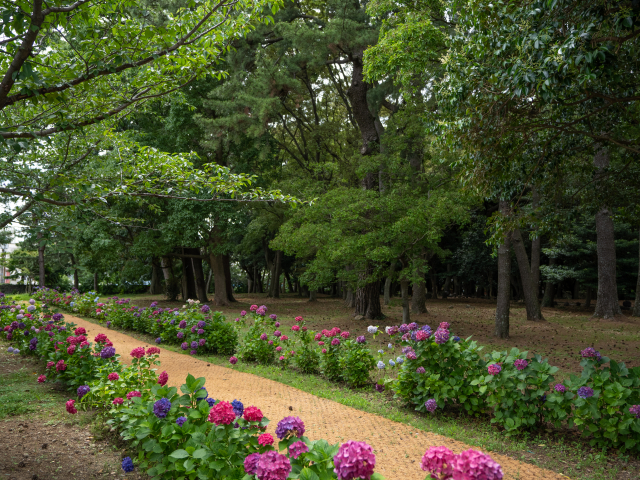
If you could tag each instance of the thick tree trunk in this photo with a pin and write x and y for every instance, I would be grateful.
(404, 291)
(530, 275)
(607, 305)
(387, 290)
(220, 297)
(41, 271)
(76, 282)
(549, 289)
(504, 282)
(155, 286)
(368, 301)
(419, 297)
(357, 94)
(313, 295)
(350, 298)
(95, 281)
(636, 304)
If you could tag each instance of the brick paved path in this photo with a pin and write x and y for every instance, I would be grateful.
(398, 447)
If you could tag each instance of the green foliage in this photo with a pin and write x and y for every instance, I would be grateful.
(356, 362)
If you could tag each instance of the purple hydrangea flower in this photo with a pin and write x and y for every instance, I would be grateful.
(211, 402)
(263, 336)
(193, 329)
(273, 316)
(589, 352)
(560, 388)
(184, 345)
(474, 464)
(201, 342)
(635, 410)
(413, 326)
(494, 369)
(420, 370)
(180, 335)
(83, 390)
(205, 309)
(180, 421)
(161, 408)
(441, 336)
(277, 333)
(290, 425)
(431, 405)
(194, 344)
(57, 317)
(127, 464)
(200, 331)
(159, 340)
(201, 324)
(585, 392)
(354, 460)
(361, 339)
(182, 324)
(107, 352)
(193, 352)
(404, 328)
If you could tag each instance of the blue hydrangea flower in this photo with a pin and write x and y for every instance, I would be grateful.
(238, 408)
(380, 351)
(127, 464)
(392, 363)
(399, 360)
(390, 345)
(107, 352)
(211, 402)
(159, 340)
(381, 365)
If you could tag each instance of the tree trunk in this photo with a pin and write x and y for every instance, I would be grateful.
(312, 295)
(529, 275)
(41, 271)
(208, 286)
(188, 281)
(636, 305)
(220, 297)
(257, 278)
(404, 291)
(76, 282)
(170, 282)
(95, 281)
(155, 287)
(289, 283)
(434, 283)
(350, 298)
(607, 305)
(226, 260)
(504, 282)
(387, 290)
(419, 297)
(549, 289)
(198, 275)
(368, 300)
(587, 301)
(276, 269)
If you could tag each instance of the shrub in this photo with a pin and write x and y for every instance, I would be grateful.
(356, 361)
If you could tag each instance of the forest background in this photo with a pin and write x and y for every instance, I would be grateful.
(359, 149)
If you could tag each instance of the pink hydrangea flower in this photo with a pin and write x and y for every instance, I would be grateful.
(437, 461)
(134, 393)
(299, 319)
(233, 360)
(444, 325)
(50, 364)
(345, 334)
(80, 331)
(71, 349)
(421, 335)
(520, 364)
(354, 460)
(281, 358)
(335, 342)
(71, 407)
(278, 348)
(163, 378)
(320, 343)
(474, 465)
(113, 376)
(298, 448)
(324, 350)
(253, 308)
(153, 351)
(118, 401)
(253, 414)
(100, 338)
(318, 336)
(42, 378)
(295, 328)
(137, 352)
(494, 369)
(60, 366)
(412, 355)
(273, 466)
(265, 439)
(243, 313)
(284, 337)
(222, 413)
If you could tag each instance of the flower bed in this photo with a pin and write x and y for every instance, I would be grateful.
(435, 369)
(189, 434)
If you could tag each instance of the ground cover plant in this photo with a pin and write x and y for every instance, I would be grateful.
(437, 370)
(191, 435)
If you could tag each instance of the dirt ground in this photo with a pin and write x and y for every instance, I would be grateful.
(39, 440)
(566, 331)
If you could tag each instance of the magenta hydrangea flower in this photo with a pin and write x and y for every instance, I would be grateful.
(474, 465)
(273, 466)
(251, 463)
(494, 369)
(520, 364)
(437, 461)
(263, 336)
(113, 376)
(277, 333)
(361, 339)
(412, 355)
(588, 352)
(233, 360)
(444, 325)
(420, 370)
(335, 342)
(163, 378)
(182, 324)
(560, 388)
(298, 448)
(635, 410)
(354, 460)
(421, 335)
